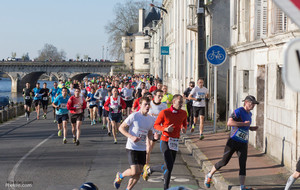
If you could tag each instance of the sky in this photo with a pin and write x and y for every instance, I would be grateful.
(75, 26)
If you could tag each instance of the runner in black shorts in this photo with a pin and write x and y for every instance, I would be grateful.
(27, 94)
(45, 99)
(240, 121)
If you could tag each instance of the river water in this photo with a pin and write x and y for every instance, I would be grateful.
(5, 89)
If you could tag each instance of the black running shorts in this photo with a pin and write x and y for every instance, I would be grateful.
(136, 157)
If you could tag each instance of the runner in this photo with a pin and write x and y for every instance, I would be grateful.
(139, 90)
(293, 177)
(45, 99)
(76, 105)
(156, 108)
(114, 105)
(100, 95)
(37, 99)
(71, 89)
(127, 95)
(199, 94)
(62, 117)
(52, 93)
(136, 104)
(27, 94)
(167, 99)
(171, 122)
(93, 107)
(106, 113)
(240, 120)
(189, 103)
(139, 126)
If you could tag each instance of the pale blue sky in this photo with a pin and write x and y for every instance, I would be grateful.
(76, 26)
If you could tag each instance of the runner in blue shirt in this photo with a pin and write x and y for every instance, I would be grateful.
(60, 104)
(37, 99)
(53, 92)
(240, 121)
(93, 105)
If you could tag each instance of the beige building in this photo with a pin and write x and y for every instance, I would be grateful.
(259, 30)
(136, 43)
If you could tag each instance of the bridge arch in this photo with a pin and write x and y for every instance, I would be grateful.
(79, 76)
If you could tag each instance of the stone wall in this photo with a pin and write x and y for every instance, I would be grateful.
(11, 112)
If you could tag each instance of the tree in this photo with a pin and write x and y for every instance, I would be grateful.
(26, 57)
(77, 57)
(86, 57)
(127, 14)
(50, 52)
(13, 55)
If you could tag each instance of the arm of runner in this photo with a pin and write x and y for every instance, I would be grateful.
(159, 120)
(83, 104)
(233, 123)
(106, 104)
(123, 129)
(70, 105)
(123, 104)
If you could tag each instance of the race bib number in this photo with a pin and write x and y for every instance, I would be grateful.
(93, 102)
(241, 135)
(45, 98)
(63, 106)
(173, 143)
(142, 134)
(27, 97)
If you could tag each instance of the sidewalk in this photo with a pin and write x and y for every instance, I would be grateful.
(262, 171)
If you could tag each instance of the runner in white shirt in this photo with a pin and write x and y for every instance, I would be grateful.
(127, 95)
(136, 127)
(156, 108)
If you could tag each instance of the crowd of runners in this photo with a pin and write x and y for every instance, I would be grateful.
(141, 108)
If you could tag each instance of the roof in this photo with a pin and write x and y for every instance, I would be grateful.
(152, 15)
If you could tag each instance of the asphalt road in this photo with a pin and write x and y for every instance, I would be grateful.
(34, 157)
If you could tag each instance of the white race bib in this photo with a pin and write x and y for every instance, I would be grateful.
(27, 97)
(45, 98)
(173, 143)
(63, 105)
(242, 134)
(142, 134)
(92, 102)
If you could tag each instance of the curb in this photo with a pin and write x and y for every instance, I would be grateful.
(219, 181)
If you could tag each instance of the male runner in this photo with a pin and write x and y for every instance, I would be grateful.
(76, 105)
(60, 104)
(100, 95)
(199, 94)
(171, 122)
(136, 128)
(167, 98)
(37, 99)
(45, 99)
(52, 93)
(127, 95)
(189, 103)
(27, 94)
(240, 121)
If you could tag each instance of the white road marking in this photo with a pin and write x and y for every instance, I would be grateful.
(11, 177)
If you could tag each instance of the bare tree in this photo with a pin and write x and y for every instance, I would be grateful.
(86, 57)
(50, 52)
(126, 15)
(13, 55)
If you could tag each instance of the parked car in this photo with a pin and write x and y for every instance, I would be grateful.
(4, 101)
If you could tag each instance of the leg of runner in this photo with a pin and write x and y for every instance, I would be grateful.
(91, 116)
(292, 179)
(150, 144)
(37, 109)
(201, 126)
(54, 115)
(134, 172)
(65, 122)
(95, 110)
(114, 130)
(78, 124)
(108, 125)
(74, 131)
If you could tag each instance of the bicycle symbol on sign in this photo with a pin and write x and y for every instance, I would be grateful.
(215, 55)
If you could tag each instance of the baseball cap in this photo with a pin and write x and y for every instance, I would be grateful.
(251, 99)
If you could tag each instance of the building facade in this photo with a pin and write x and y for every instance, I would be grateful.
(259, 31)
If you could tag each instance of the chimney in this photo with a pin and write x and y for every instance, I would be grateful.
(141, 19)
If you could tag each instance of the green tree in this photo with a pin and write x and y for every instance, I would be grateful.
(50, 52)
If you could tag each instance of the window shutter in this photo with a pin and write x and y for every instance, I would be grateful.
(258, 19)
(264, 29)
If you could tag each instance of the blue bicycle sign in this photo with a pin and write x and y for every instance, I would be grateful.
(216, 55)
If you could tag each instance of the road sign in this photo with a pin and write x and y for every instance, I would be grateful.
(164, 50)
(216, 55)
(291, 69)
(291, 8)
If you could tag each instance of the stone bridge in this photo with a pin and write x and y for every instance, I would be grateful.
(22, 72)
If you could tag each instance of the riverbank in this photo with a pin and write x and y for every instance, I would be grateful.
(11, 111)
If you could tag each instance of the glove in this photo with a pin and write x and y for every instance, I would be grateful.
(199, 99)
(119, 107)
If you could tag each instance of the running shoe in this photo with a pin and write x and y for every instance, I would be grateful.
(115, 142)
(193, 128)
(146, 172)
(100, 120)
(92, 123)
(27, 118)
(117, 181)
(109, 133)
(74, 139)
(103, 127)
(201, 137)
(246, 188)
(77, 142)
(54, 121)
(45, 116)
(65, 141)
(207, 181)
(59, 133)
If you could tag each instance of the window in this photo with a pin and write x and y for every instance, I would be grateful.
(279, 21)
(131, 58)
(146, 61)
(130, 50)
(146, 45)
(261, 18)
(245, 81)
(280, 87)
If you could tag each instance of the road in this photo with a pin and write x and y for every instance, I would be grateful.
(34, 156)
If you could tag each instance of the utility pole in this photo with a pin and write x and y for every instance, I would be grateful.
(201, 41)
(103, 52)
